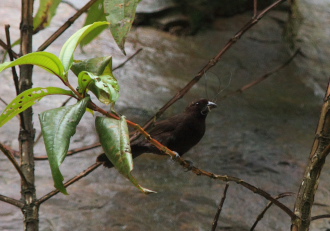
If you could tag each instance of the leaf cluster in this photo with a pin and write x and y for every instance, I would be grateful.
(59, 124)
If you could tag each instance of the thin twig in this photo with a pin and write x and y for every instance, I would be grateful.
(187, 165)
(14, 162)
(71, 5)
(66, 25)
(5, 46)
(37, 139)
(69, 182)
(262, 78)
(255, 8)
(211, 63)
(66, 101)
(261, 215)
(12, 201)
(73, 151)
(127, 60)
(320, 217)
(217, 215)
(11, 57)
(3, 101)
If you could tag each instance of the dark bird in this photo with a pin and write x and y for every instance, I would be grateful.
(179, 133)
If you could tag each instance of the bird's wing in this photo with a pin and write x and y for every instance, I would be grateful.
(163, 130)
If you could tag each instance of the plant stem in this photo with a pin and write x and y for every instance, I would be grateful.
(27, 132)
(318, 155)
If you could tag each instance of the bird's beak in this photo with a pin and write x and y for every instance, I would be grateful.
(210, 105)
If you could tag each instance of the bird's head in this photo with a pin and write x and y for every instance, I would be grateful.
(202, 106)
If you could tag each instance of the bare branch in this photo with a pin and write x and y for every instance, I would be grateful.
(11, 57)
(262, 78)
(127, 60)
(66, 25)
(211, 63)
(261, 215)
(71, 5)
(6, 47)
(255, 8)
(11, 201)
(69, 182)
(318, 155)
(73, 151)
(320, 217)
(14, 162)
(4, 102)
(217, 215)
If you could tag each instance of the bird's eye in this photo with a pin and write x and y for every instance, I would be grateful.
(196, 103)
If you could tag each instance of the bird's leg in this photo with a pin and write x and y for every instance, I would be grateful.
(176, 155)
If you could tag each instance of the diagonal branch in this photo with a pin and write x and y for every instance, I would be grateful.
(73, 151)
(212, 62)
(320, 151)
(216, 217)
(69, 182)
(320, 217)
(261, 215)
(66, 25)
(14, 162)
(11, 201)
(11, 57)
(7, 48)
(262, 78)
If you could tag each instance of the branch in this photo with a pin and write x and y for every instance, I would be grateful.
(68, 183)
(195, 170)
(73, 151)
(318, 155)
(13, 161)
(320, 217)
(66, 25)
(212, 62)
(227, 178)
(216, 217)
(11, 201)
(127, 60)
(261, 215)
(262, 78)
(11, 57)
(255, 8)
(3, 101)
(4, 46)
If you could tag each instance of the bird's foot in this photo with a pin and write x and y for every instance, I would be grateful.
(176, 156)
(190, 165)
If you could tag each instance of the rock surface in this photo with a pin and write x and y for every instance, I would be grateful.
(262, 136)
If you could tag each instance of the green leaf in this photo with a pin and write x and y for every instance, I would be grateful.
(94, 14)
(47, 10)
(43, 59)
(66, 55)
(28, 98)
(58, 126)
(96, 75)
(120, 14)
(97, 66)
(84, 80)
(114, 138)
(104, 87)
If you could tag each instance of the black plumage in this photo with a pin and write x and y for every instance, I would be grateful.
(179, 133)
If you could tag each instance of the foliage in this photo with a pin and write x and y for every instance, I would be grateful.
(59, 124)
